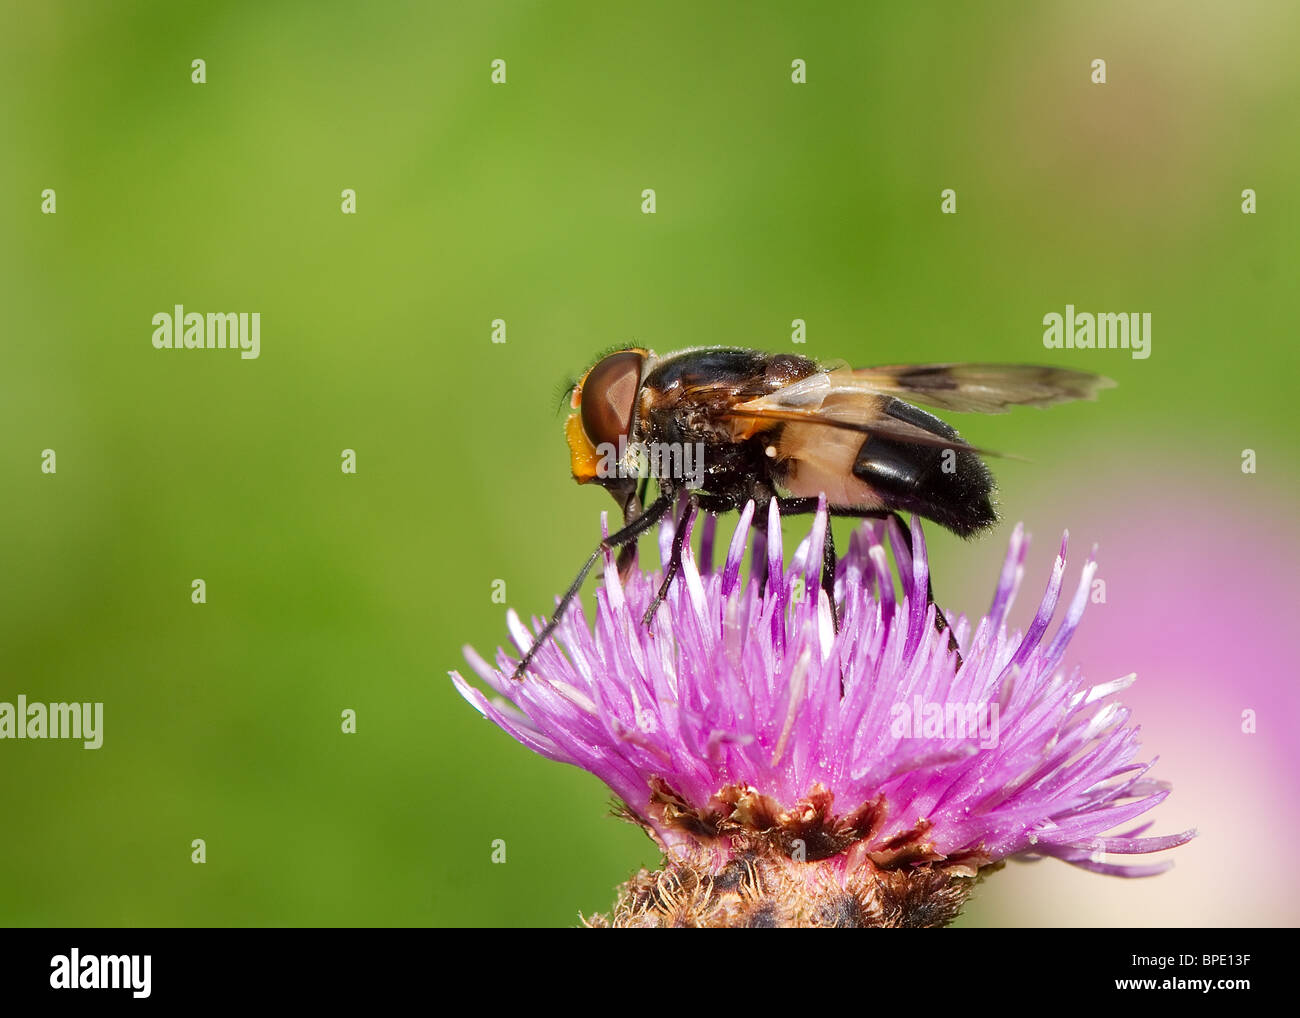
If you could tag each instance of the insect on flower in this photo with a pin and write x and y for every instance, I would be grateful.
(784, 428)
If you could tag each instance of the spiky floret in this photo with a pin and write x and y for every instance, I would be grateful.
(744, 726)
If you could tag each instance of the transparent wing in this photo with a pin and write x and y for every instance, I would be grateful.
(968, 388)
(822, 400)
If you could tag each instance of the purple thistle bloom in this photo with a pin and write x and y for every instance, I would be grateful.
(750, 739)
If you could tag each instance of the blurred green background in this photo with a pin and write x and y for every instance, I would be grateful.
(522, 202)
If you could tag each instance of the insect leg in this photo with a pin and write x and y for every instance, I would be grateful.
(627, 556)
(940, 620)
(797, 507)
(615, 540)
(828, 574)
(674, 562)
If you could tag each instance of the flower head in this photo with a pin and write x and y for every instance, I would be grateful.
(793, 771)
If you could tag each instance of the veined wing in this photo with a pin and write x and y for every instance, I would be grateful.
(965, 388)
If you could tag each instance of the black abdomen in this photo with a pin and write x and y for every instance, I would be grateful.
(952, 487)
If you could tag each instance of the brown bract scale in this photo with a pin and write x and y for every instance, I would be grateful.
(762, 888)
(751, 863)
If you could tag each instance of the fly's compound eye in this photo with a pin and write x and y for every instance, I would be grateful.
(608, 397)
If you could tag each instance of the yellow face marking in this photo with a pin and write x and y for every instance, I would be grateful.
(582, 454)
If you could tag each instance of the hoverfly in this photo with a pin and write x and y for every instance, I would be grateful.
(782, 426)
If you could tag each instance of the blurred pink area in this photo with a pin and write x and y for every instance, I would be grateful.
(1201, 579)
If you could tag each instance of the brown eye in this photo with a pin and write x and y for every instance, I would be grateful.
(608, 394)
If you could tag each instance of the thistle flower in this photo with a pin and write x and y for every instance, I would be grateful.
(793, 774)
